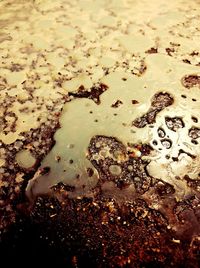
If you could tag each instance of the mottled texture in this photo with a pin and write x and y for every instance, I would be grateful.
(99, 133)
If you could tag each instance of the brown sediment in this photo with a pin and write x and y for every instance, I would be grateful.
(104, 193)
(159, 102)
(174, 123)
(93, 93)
(190, 81)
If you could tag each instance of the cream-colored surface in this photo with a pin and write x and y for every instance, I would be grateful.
(25, 159)
(49, 48)
(78, 126)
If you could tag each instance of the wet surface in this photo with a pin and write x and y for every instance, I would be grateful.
(99, 133)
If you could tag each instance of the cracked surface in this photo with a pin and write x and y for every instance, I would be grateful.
(99, 129)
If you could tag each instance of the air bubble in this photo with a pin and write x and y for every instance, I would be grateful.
(161, 133)
(155, 142)
(194, 133)
(25, 159)
(194, 142)
(194, 119)
(184, 96)
(117, 154)
(115, 170)
(136, 179)
(98, 145)
(130, 168)
(103, 153)
(166, 143)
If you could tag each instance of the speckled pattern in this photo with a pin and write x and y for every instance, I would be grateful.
(99, 116)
